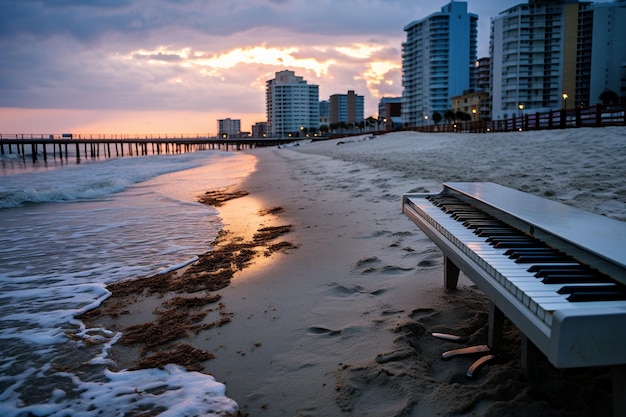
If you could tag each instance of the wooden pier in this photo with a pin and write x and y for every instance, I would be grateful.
(65, 146)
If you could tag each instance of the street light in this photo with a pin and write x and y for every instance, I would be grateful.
(474, 114)
(564, 100)
(426, 120)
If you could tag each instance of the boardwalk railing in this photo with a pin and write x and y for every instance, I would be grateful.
(597, 116)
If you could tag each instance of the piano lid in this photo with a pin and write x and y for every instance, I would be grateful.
(600, 235)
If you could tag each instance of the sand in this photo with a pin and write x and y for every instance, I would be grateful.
(339, 322)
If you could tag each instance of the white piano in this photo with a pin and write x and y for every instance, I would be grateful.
(557, 272)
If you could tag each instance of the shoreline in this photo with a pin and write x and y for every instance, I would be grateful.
(161, 314)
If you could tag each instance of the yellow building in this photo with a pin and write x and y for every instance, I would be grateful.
(475, 104)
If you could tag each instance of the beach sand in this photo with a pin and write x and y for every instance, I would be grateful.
(337, 320)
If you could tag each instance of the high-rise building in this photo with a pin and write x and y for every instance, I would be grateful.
(292, 105)
(533, 49)
(549, 55)
(347, 108)
(608, 50)
(438, 61)
(228, 128)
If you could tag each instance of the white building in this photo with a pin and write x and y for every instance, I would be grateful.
(550, 55)
(292, 105)
(534, 49)
(230, 128)
(438, 61)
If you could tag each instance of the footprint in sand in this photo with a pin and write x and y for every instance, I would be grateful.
(431, 260)
(348, 331)
(395, 270)
(366, 265)
(422, 312)
(429, 263)
(323, 331)
(392, 312)
(338, 290)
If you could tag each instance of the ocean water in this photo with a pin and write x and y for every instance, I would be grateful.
(66, 231)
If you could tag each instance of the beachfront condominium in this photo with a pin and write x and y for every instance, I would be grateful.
(228, 128)
(438, 62)
(556, 54)
(346, 108)
(292, 105)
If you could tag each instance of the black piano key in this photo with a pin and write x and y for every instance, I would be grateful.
(533, 259)
(514, 238)
(451, 208)
(519, 244)
(571, 289)
(511, 238)
(494, 231)
(531, 249)
(477, 224)
(573, 279)
(531, 252)
(563, 271)
(547, 267)
(464, 216)
(596, 296)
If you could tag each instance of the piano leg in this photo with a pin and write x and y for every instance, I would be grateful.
(530, 359)
(496, 328)
(450, 274)
(619, 390)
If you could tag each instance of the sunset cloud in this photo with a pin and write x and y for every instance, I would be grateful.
(85, 58)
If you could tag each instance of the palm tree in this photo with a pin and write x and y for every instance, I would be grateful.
(449, 116)
(437, 117)
(609, 97)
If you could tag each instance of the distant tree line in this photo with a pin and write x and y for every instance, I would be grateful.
(370, 122)
(451, 116)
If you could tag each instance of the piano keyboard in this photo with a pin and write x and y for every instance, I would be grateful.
(542, 278)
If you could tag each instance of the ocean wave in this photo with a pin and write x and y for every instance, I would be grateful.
(89, 181)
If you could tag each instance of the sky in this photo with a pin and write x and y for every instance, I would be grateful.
(177, 66)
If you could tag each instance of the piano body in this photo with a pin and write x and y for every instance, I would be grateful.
(557, 272)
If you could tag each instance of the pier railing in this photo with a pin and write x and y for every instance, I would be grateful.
(110, 136)
(65, 146)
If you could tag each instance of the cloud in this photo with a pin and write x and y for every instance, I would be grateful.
(199, 55)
